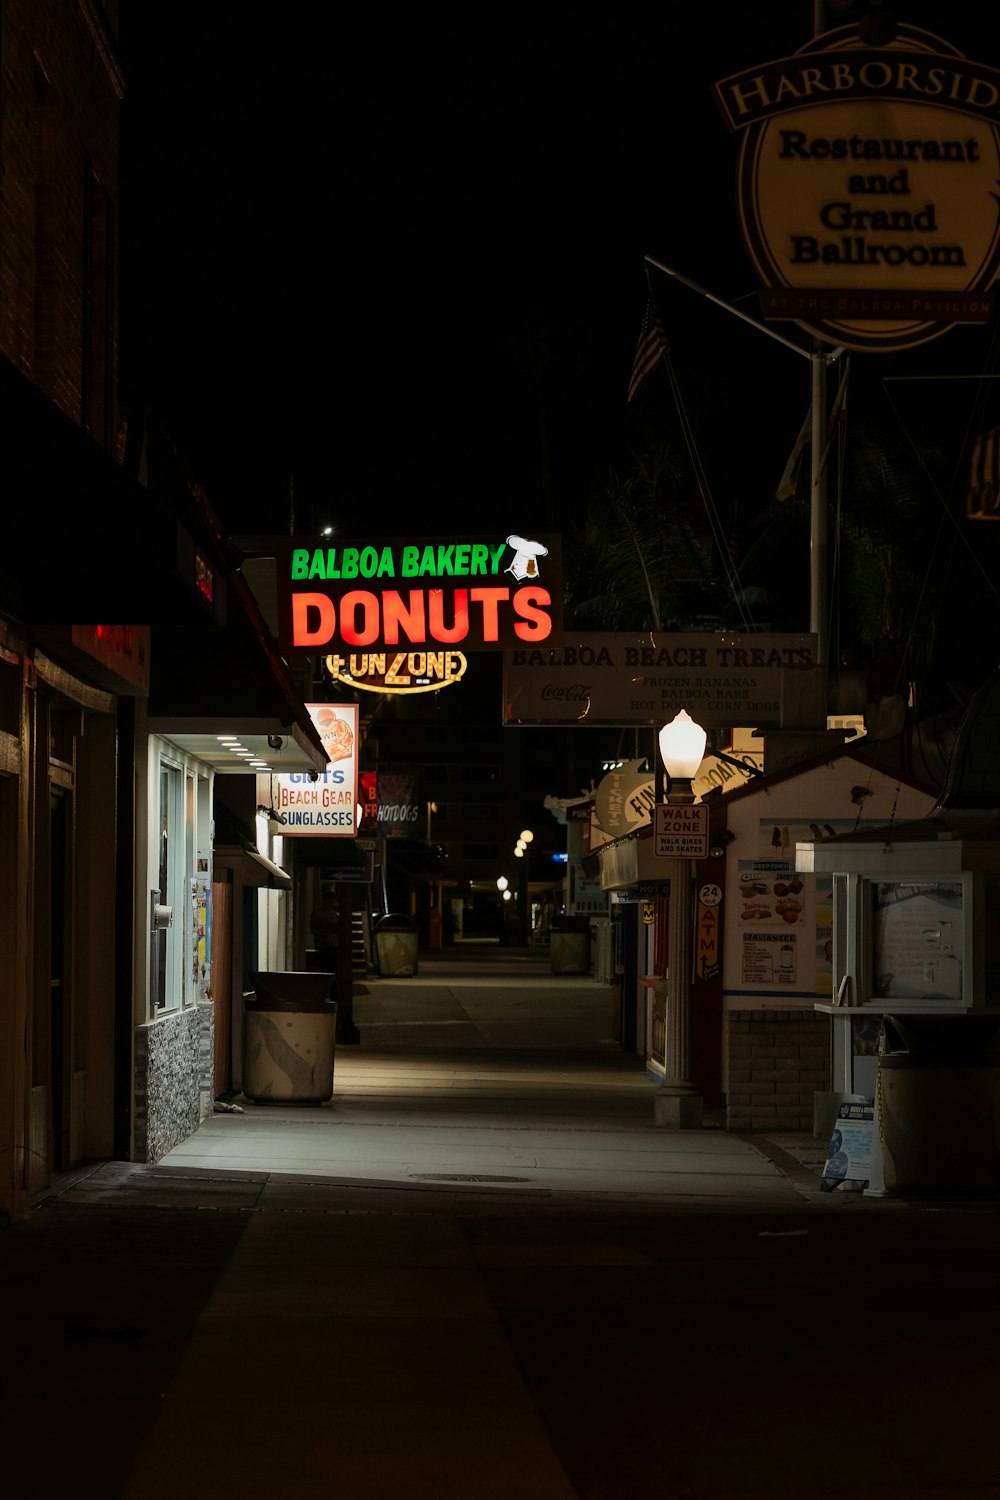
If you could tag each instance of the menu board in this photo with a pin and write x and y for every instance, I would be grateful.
(918, 941)
(785, 926)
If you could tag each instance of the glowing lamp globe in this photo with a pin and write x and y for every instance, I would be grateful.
(682, 746)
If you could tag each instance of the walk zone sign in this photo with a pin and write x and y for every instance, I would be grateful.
(681, 832)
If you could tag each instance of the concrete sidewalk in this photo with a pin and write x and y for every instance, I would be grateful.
(297, 1296)
(485, 1069)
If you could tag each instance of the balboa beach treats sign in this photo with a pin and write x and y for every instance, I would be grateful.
(618, 678)
(868, 186)
(480, 593)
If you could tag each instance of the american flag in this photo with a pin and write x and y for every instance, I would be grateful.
(649, 351)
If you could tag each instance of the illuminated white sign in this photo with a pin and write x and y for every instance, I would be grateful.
(324, 804)
(867, 183)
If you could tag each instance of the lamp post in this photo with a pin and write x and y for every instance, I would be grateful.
(523, 892)
(503, 890)
(677, 1104)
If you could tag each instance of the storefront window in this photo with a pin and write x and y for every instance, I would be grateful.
(991, 932)
(168, 940)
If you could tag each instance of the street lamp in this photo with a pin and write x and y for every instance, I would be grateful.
(523, 887)
(677, 1104)
(682, 750)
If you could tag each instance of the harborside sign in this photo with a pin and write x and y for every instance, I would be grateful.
(476, 593)
(867, 186)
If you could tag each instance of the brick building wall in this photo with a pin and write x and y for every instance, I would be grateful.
(777, 1060)
(59, 188)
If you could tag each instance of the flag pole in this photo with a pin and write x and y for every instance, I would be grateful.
(820, 359)
(819, 621)
(728, 306)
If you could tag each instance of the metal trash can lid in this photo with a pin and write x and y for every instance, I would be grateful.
(960, 1041)
(291, 989)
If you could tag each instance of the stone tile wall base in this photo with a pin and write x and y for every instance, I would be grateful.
(173, 1079)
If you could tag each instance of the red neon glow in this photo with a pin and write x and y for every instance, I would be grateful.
(325, 627)
(410, 616)
(459, 631)
(367, 617)
(360, 601)
(537, 624)
(490, 599)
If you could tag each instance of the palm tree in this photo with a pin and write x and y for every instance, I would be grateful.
(887, 586)
(638, 561)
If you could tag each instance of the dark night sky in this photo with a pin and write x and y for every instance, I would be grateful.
(383, 247)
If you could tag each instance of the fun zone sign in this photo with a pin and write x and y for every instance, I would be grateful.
(481, 593)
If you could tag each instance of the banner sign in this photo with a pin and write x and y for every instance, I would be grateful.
(390, 808)
(619, 678)
(476, 593)
(867, 185)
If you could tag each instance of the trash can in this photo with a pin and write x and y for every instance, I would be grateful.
(396, 945)
(938, 1104)
(290, 1029)
(569, 945)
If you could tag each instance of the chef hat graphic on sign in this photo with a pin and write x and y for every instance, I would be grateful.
(526, 555)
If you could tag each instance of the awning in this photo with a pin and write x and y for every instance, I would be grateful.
(268, 873)
(253, 867)
(234, 850)
(212, 682)
(87, 545)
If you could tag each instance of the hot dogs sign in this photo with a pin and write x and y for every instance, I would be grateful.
(479, 593)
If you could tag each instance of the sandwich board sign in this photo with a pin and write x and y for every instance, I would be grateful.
(849, 1154)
